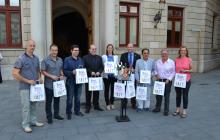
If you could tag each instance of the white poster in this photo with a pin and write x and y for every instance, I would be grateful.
(95, 83)
(130, 90)
(145, 77)
(141, 93)
(59, 88)
(180, 80)
(81, 76)
(109, 67)
(159, 88)
(37, 93)
(119, 90)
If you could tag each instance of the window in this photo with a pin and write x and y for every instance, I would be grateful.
(174, 27)
(10, 24)
(129, 24)
(213, 29)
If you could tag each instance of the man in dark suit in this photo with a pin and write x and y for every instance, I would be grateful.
(129, 59)
(94, 67)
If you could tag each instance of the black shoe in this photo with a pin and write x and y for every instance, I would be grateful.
(133, 106)
(58, 117)
(155, 110)
(49, 121)
(69, 116)
(79, 114)
(98, 108)
(87, 110)
(165, 113)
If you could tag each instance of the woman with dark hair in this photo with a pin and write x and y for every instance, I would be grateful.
(110, 78)
(184, 66)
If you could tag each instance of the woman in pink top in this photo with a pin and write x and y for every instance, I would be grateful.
(184, 66)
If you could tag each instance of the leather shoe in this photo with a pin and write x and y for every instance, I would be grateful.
(155, 110)
(165, 113)
(69, 116)
(79, 114)
(58, 117)
(49, 121)
(98, 108)
(87, 110)
(27, 130)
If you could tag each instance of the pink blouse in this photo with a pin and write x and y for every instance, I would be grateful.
(183, 64)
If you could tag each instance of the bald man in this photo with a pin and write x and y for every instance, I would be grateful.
(27, 71)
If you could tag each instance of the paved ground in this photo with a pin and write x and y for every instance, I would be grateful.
(202, 122)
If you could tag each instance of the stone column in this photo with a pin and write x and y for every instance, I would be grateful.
(109, 28)
(38, 26)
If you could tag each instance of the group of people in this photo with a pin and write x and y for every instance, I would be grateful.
(28, 72)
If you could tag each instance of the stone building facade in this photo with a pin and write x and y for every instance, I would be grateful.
(191, 23)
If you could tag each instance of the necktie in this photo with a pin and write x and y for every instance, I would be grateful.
(130, 59)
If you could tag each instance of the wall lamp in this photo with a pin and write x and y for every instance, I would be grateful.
(158, 16)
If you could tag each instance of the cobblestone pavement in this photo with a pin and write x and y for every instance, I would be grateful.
(202, 122)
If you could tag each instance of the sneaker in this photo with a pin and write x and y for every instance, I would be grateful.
(108, 107)
(112, 107)
(38, 124)
(58, 117)
(27, 130)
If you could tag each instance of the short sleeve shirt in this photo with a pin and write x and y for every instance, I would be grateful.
(29, 69)
(53, 67)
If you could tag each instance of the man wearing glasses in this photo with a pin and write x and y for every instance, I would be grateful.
(71, 63)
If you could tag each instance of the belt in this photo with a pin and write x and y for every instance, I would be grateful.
(162, 80)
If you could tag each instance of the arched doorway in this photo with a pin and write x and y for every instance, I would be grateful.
(69, 29)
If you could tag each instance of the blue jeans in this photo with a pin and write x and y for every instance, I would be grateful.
(76, 91)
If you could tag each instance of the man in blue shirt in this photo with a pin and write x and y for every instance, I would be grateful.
(72, 63)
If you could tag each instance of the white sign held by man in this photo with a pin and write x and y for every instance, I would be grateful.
(95, 83)
(180, 80)
(37, 93)
(59, 88)
(81, 76)
(159, 88)
(141, 93)
(145, 77)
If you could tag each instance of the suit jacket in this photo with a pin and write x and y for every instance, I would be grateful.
(124, 59)
(93, 63)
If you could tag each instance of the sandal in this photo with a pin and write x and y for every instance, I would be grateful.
(176, 113)
(183, 115)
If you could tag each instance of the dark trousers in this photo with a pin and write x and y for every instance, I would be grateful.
(166, 98)
(0, 75)
(182, 92)
(109, 83)
(89, 96)
(76, 91)
(49, 99)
